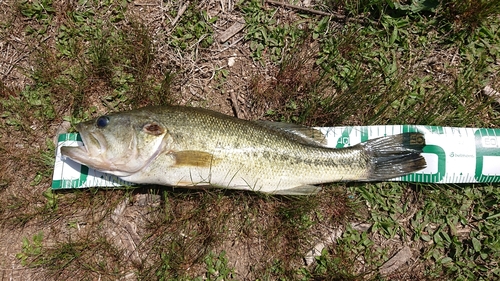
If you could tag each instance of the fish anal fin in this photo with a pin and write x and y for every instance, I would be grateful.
(299, 190)
(193, 158)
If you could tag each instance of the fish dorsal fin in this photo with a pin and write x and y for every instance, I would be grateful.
(302, 134)
(193, 158)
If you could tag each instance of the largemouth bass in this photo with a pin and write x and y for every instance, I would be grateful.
(183, 146)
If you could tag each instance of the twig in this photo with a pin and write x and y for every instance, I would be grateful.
(222, 6)
(21, 57)
(181, 11)
(231, 31)
(12, 65)
(234, 101)
(308, 10)
(145, 4)
(230, 46)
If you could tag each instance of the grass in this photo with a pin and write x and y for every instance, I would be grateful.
(388, 62)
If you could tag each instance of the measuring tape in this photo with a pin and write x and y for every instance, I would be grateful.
(453, 155)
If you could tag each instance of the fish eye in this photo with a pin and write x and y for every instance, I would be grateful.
(102, 121)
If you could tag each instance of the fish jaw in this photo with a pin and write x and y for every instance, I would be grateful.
(92, 154)
(80, 155)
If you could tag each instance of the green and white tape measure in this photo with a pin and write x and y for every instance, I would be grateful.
(453, 155)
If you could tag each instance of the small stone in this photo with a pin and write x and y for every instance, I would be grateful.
(328, 239)
(396, 261)
(489, 91)
(231, 61)
(142, 200)
(117, 213)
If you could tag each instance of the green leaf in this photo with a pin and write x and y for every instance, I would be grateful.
(446, 260)
(51, 198)
(476, 244)
(394, 35)
(425, 237)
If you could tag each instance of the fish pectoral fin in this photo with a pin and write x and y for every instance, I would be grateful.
(299, 190)
(193, 158)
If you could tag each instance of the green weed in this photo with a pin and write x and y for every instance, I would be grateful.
(460, 223)
(266, 35)
(177, 243)
(217, 267)
(193, 30)
(31, 105)
(51, 199)
(41, 12)
(333, 267)
(31, 249)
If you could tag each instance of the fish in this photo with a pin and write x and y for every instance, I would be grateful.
(196, 147)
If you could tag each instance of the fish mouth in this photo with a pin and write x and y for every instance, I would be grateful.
(91, 154)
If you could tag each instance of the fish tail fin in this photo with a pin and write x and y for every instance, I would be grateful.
(394, 156)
